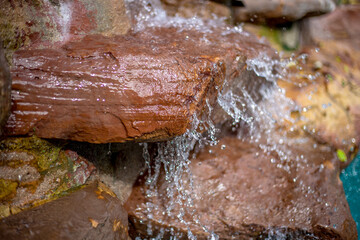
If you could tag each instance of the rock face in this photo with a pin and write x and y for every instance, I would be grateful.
(330, 101)
(279, 11)
(89, 213)
(45, 23)
(240, 192)
(330, 97)
(5, 89)
(34, 171)
(142, 86)
(341, 25)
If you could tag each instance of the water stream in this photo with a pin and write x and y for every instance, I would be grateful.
(259, 123)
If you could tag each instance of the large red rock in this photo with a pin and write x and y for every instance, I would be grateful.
(89, 213)
(44, 23)
(142, 86)
(240, 192)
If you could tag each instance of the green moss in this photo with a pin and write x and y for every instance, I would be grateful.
(7, 188)
(272, 35)
(45, 153)
(59, 172)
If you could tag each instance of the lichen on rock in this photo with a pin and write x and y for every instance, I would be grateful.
(34, 171)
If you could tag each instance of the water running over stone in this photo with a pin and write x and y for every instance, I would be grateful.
(255, 113)
(238, 163)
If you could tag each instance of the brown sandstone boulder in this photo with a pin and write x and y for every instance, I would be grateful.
(326, 84)
(44, 23)
(240, 192)
(279, 11)
(330, 98)
(142, 86)
(90, 213)
(5, 89)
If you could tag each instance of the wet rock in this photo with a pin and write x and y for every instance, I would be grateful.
(327, 90)
(201, 9)
(340, 25)
(278, 11)
(90, 213)
(326, 83)
(243, 193)
(34, 171)
(5, 89)
(323, 77)
(142, 86)
(44, 23)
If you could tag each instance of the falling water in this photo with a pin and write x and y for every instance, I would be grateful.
(260, 119)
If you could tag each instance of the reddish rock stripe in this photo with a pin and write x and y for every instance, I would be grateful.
(142, 86)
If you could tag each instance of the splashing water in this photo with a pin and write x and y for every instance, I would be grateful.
(260, 119)
(149, 13)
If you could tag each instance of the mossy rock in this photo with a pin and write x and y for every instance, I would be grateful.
(34, 171)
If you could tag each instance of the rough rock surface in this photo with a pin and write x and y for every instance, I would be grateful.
(5, 89)
(330, 98)
(142, 86)
(279, 11)
(326, 84)
(341, 25)
(34, 171)
(90, 213)
(324, 78)
(241, 192)
(44, 23)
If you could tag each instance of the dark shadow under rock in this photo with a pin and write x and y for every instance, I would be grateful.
(118, 164)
